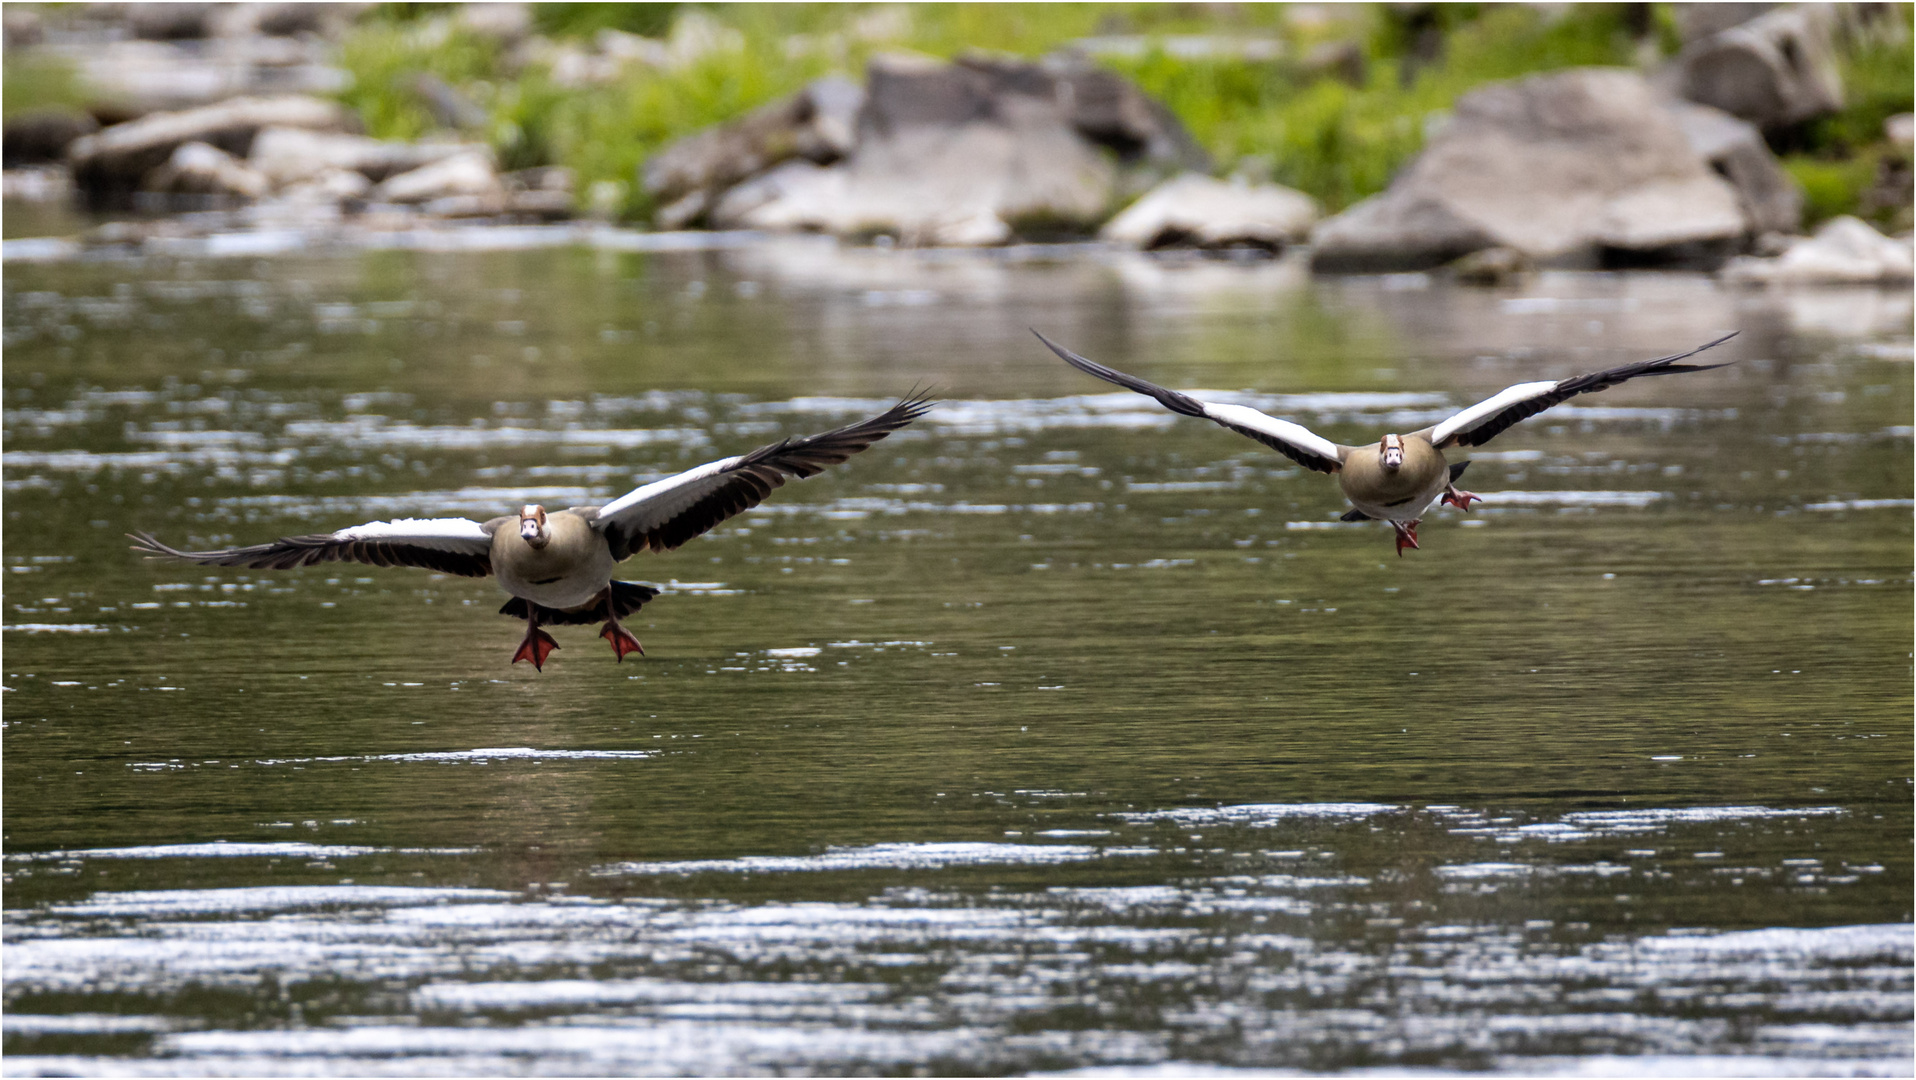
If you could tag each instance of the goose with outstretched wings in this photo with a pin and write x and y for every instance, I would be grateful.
(558, 566)
(1401, 477)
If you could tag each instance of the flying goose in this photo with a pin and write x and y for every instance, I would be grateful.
(1400, 478)
(558, 566)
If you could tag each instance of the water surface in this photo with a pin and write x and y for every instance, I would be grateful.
(1056, 732)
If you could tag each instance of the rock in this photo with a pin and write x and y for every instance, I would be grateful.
(37, 184)
(1900, 129)
(817, 124)
(467, 173)
(961, 153)
(1844, 251)
(22, 26)
(1774, 71)
(1770, 197)
(1195, 209)
(133, 78)
(36, 136)
(198, 168)
(168, 22)
(1491, 266)
(502, 22)
(1695, 22)
(1577, 167)
(323, 20)
(115, 161)
(291, 155)
(544, 193)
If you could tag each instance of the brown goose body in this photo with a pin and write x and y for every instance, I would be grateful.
(569, 570)
(1400, 494)
(1400, 477)
(558, 566)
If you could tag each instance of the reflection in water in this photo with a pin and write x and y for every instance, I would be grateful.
(1055, 735)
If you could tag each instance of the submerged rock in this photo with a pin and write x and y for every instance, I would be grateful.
(1198, 210)
(1578, 167)
(1844, 251)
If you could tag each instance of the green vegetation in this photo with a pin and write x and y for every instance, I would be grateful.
(34, 80)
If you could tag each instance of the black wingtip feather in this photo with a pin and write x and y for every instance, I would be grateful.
(1170, 399)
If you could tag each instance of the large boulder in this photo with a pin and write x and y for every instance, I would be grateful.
(1577, 167)
(1774, 71)
(1771, 199)
(966, 153)
(817, 124)
(1198, 210)
(115, 162)
(1845, 251)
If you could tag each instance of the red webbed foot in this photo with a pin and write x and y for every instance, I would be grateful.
(1461, 499)
(1406, 536)
(536, 647)
(622, 640)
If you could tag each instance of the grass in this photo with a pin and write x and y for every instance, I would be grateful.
(1336, 141)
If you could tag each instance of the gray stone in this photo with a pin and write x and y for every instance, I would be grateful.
(1575, 167)
(115, 161)
(133, 78)
(817, 123)
(1491, 266)
(1844, 251)
(469, 173)
(197, 168)
(168, 22)
(1770, 197)
(1697, 21)
(1198, 210)
(292, 155)
(1774, 71)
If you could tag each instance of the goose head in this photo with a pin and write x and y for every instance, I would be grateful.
(532, 526)
(1391, 452)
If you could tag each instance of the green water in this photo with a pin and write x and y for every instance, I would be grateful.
(1054, 732)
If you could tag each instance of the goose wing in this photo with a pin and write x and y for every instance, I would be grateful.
(448, 545)
(1483, 421)
(666, 513)
(1294, 441)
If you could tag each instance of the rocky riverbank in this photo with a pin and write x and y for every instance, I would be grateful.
(235, 116)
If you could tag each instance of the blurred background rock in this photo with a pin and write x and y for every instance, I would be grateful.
(1721, 125)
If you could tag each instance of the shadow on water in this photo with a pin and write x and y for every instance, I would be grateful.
(1054, 732)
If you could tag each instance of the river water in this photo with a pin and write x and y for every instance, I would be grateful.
(1055, 733)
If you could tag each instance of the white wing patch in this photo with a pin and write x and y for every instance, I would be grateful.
(662, 500)
(1484, 410)
(438, 534)
(1283, 430)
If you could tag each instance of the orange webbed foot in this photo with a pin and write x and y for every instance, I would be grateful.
(1406, 536)
(622, 640)
(536, 647)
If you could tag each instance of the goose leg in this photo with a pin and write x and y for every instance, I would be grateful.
(622, 640)
(1459, 499)
(1406, 536)
(537, 646)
